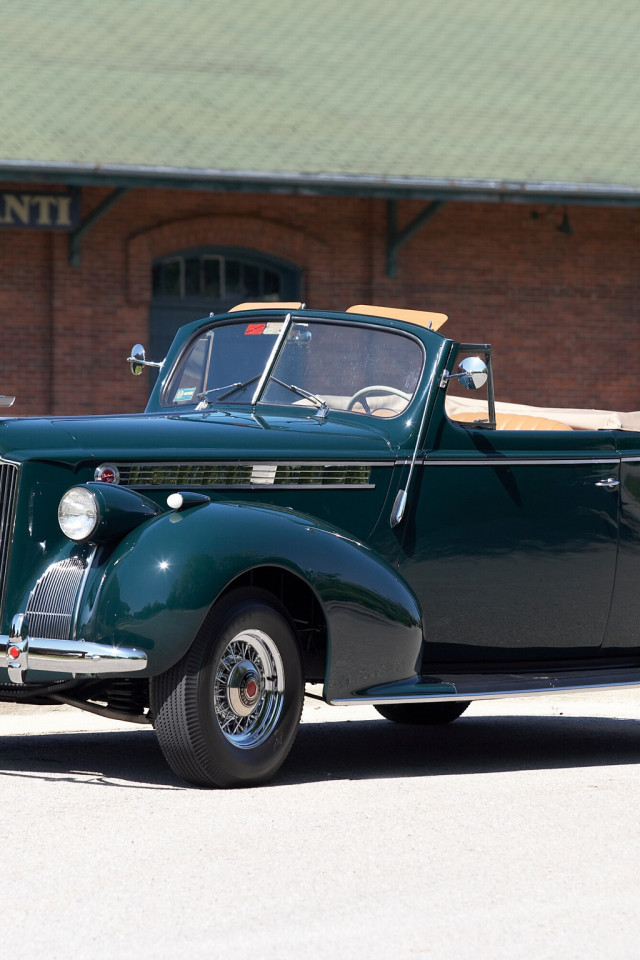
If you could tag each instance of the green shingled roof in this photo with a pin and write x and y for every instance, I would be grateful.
(344, 90)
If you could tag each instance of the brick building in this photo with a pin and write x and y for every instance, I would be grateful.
(483, 169)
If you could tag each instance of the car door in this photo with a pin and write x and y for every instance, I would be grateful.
(622, 638)
(510, 542)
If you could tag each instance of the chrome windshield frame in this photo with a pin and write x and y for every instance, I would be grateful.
(273, 359)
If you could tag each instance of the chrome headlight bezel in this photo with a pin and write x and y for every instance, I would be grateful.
(79, 513)
(101, 512)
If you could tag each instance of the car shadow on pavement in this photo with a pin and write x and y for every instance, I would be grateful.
(122, 758)
(496, 744)
(352, 750)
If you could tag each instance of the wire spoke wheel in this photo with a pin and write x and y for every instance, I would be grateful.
(248, 690)
(227, 714)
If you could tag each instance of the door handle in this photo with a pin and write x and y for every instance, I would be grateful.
(610, 483)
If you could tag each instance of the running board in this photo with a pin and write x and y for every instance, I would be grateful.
(494, 686)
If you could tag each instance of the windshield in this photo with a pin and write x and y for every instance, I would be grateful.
(368, 370)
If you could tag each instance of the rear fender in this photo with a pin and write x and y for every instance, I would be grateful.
(156, 588)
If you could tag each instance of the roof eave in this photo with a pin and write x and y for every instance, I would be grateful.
(321, 184)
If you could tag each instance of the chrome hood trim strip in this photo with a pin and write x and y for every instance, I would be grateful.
(250, 474)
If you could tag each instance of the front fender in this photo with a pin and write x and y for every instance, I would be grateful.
(157, 587)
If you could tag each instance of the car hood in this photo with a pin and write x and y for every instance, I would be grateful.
(225, 434)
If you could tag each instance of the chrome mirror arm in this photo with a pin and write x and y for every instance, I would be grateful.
(138, 360)
(474, 374)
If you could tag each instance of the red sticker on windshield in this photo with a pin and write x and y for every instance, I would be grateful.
(254, 328)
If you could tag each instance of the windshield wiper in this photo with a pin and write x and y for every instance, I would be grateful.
(204, 396)
(323, 406)
(229, 387)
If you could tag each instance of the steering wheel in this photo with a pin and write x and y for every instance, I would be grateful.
(377, 390)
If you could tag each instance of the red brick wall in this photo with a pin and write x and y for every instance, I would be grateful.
(26, 315)
(561, 312)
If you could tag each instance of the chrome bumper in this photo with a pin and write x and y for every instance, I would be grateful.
(19, 652)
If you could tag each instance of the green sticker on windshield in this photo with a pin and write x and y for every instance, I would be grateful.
(183, 394)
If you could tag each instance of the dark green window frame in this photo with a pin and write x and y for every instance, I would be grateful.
(223, 273)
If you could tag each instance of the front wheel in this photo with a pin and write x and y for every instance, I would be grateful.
(226, 715)
(444, 711)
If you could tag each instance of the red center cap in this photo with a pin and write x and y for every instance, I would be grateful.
(251, 689)
(14, 652)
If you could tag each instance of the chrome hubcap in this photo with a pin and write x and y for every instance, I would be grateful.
(243, 688)
(248, 692)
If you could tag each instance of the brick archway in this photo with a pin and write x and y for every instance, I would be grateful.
(264, 236)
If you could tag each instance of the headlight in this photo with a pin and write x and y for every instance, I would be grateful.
(78, 513)
(101, 512)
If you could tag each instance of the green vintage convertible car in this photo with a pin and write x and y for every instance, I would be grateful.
(314, 498)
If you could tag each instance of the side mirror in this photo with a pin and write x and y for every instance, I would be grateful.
(137, 361)
(474, 373)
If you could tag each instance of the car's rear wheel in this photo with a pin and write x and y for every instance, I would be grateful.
(423, 713)
(226, 715)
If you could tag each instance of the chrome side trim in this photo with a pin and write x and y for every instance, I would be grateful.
(497, 686)
(440, 698)
(20, 653)
(252, 463)
(296, 486)
(513, 462)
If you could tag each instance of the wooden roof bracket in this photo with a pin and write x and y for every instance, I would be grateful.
(75, 238)
(396, 239)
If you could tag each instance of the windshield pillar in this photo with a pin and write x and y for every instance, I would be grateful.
(273, 359)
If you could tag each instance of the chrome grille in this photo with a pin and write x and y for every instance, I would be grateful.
(217, 474)
(8, 488)
(52, 601)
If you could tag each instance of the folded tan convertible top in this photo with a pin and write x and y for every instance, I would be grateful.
(575, 418)
(423, 318)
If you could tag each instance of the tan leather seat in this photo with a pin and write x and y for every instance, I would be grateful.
(513, 421)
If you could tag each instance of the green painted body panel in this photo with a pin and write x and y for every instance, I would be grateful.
(512, 525)
(623, 628)
(516, 547)
(232, 434)
(154, 591)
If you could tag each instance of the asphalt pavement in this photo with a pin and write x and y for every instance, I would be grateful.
(513, 832)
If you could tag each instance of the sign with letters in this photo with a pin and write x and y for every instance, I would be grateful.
(40, 210)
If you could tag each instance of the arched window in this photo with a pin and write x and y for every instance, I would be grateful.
(190, 284)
